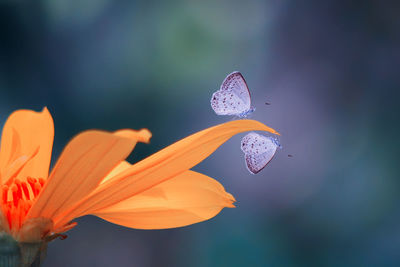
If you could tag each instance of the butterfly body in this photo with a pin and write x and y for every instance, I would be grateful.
(246, 114)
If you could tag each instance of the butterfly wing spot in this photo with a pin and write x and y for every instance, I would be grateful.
(225, 103)
(255, 163)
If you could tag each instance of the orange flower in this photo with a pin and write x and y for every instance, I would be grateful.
(91, 177)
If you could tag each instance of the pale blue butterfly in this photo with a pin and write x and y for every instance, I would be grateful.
(233, 97)
(258, 151)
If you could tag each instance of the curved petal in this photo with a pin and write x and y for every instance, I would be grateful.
(24, 132)
(14, 169)
(161, 166)
(85, 161)
(122, 166)
(190, 197)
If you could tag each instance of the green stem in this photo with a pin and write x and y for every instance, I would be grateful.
(37, 262)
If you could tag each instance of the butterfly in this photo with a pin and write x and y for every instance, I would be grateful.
(258, 151)
(233, 97)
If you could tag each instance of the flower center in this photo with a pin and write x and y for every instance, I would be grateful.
(17, 199)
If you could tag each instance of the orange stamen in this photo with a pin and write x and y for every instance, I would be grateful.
(14, 190)
(5, 194)
(31, 181)
(36, 189)
(17, 207)
(14, 218)
(42, 181)
(9, 217)
(25, 190)
(18, 184)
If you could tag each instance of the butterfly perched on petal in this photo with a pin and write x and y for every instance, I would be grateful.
(258, 150)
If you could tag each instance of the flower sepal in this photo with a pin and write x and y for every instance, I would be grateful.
(26, 247)
(20, 254)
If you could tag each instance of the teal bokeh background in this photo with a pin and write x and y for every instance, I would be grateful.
(330, 70)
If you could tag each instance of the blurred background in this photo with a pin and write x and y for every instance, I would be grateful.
(329, 69)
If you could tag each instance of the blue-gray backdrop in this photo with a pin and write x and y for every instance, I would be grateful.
(328, 69)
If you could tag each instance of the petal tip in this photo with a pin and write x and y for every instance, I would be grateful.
(231, 197)
(230, 205)
(143, 135)
(230, 200)
(254, 125)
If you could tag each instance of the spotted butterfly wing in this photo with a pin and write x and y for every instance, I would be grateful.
(233, 97)
(259, 151)
(236, 83)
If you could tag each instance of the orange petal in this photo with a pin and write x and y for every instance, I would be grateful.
(85, 161)
(190, 197)
(23, 133)
(122, 166)
(17, 166)
(143, 135)
(161, 166)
